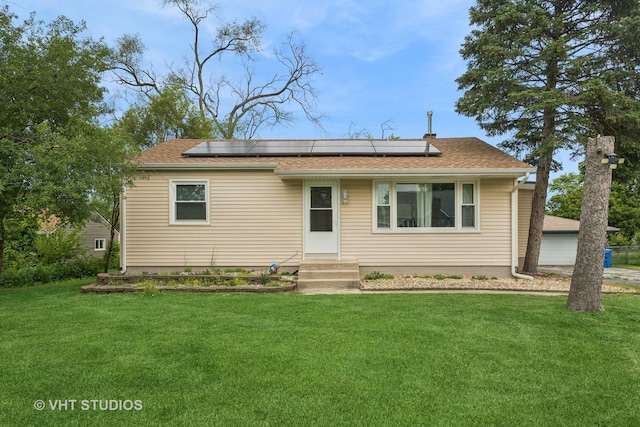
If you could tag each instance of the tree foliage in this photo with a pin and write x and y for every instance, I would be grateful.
(51, 96)
(547, 75)
(237, 107)
(624, 204)
(567, 196)
(167, 114)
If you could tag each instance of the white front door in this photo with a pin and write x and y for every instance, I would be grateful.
(321, 218)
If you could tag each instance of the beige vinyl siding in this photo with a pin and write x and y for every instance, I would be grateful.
(525, 199)
(488, 247)
(256, 220)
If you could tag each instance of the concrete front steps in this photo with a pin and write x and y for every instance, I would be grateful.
(328, 274)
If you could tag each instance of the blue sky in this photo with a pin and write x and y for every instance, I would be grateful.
(383, 61)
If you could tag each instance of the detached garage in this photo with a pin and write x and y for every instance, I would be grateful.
(560, 241)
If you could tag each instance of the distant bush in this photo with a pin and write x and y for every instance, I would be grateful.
(376, 275)
(28, 276)
(59, 245)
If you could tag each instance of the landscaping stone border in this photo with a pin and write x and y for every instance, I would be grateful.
(108, 289)
(110, 279)
(107, 283)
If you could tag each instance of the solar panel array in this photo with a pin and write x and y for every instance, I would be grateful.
(308, 148)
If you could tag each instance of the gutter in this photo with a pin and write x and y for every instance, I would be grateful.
(208, 166)
(123, 230)
(368, 173)
(514, 230)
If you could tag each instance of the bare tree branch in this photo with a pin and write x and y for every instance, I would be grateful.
(237, 108)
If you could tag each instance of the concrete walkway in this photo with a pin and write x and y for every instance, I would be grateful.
(623, 276)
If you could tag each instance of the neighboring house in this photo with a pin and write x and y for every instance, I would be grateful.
(559, 243)
(95, 232)
(446, 205)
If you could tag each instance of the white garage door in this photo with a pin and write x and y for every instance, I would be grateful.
(558, 249)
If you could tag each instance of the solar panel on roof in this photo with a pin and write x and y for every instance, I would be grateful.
(264, 148)
(338, 148)
(281, 148)
(219, 148)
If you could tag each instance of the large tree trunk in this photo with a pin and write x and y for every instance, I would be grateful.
(545, 160)
(586, 282)
(538, 204)
(3, 235)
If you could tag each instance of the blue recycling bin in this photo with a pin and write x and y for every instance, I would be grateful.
(607, 258)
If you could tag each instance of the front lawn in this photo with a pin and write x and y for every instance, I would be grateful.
(294, 360)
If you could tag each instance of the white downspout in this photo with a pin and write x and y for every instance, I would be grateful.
(123, 231)
(514, 230)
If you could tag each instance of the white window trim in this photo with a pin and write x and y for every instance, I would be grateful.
(172, 202)
(417, 230)
(99, 247)
(459, 204)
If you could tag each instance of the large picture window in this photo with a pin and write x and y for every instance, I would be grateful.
(425, 205)
(189, 202)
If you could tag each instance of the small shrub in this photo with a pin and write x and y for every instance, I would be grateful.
(439, 276)
(150, 288)
(236, 281)
(376, 275)
(237, 271)
(480, 277)
(265, 278)
(456, 277)
(59, 245)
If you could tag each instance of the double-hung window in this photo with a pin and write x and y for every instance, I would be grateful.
(383, 205)
(99, 244)
(189, 201)
(468, 204)
(423, 206)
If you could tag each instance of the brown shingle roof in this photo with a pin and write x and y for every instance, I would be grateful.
(457, 154)
(555, 224)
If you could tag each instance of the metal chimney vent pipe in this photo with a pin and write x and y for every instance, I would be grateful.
(429, 133)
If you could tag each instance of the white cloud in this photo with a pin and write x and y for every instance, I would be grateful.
(369, 30)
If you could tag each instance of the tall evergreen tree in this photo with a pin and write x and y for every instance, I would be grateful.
(548, 74)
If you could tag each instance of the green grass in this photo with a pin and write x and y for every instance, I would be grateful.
(325, 360)
(629, 266)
